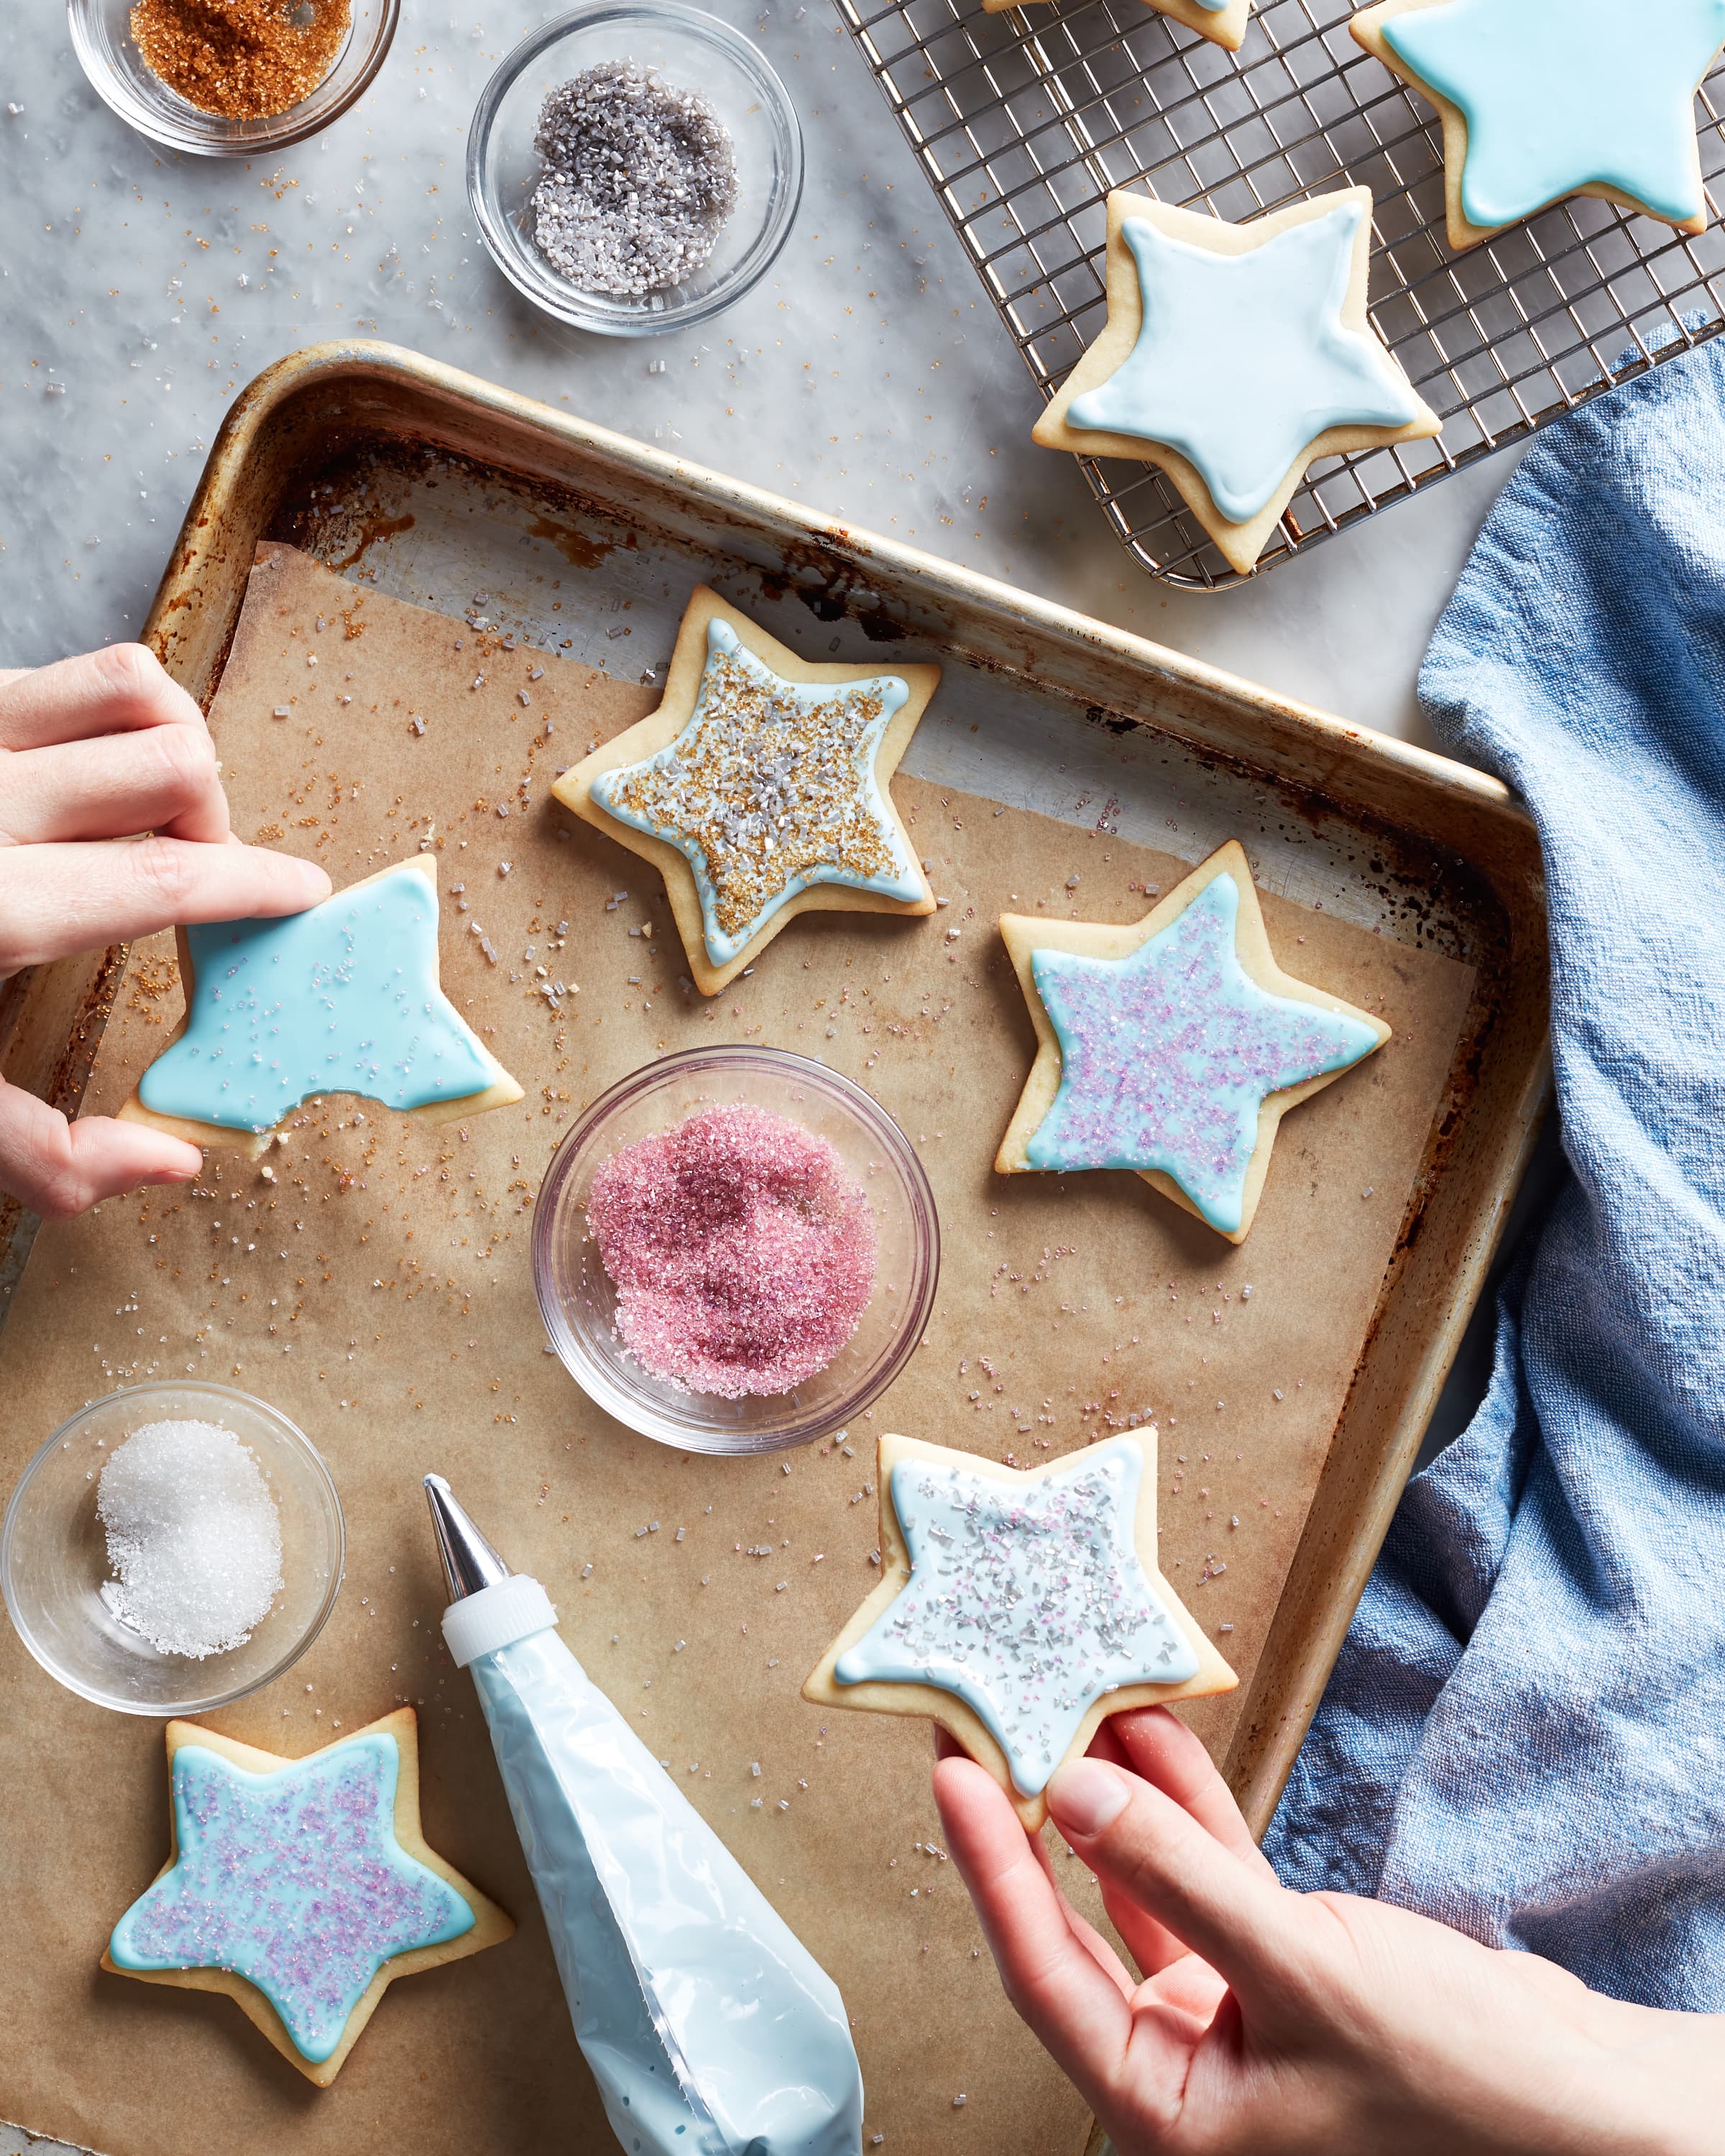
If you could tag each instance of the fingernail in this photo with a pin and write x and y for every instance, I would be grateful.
(1086, 1796)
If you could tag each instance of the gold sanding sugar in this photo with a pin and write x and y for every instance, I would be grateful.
(244, 60)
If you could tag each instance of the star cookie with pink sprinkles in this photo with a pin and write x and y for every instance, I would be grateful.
(1173, 1046)
(301, 1887)
(1019, 1608)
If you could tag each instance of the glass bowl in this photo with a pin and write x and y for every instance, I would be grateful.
(578, 1302)
(53, 1556)
(692, 51)
(102, 38)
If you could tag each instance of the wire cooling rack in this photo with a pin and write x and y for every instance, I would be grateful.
(1025, 121)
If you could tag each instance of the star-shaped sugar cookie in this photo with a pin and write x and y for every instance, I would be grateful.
(1019, 1608)
(1173, 1046)
(1544, 99)
(301, 1888)
(1223, 21)
(758, 788)
(1234, 356)
(344, 998)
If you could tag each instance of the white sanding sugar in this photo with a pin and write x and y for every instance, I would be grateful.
(640, 176)
(193, 1537)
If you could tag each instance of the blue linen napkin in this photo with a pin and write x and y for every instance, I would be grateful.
(1525, 1733)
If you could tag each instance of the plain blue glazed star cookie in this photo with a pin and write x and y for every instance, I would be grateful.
(344, 998)
(1173, 1046)
(1234, 355)
(1019, 1608)
(301, 1887)
(1545, 98)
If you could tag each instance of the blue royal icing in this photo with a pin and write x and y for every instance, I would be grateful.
(1562, 94)
(1027, 1600)
(294, 1880)
(1167, 1055)
(341, 998)
(1242, 361)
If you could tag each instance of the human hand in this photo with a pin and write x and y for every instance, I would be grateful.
(1275, 2024)
(92, 750)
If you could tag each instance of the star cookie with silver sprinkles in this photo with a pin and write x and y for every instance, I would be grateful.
(1019, 1608)
(301, 1888)
(1174, 1045)
(759, 788)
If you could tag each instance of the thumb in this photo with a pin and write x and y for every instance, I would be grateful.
(58, 1168)
(1149, 1850)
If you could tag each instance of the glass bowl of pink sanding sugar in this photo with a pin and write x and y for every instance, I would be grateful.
(736, 1250)
(171, 1548)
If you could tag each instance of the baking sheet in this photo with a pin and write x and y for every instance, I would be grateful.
(392, 1263)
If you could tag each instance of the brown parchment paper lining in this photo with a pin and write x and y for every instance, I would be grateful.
(370, 1278)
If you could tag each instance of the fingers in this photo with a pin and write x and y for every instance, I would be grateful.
(1159, 1858)
(59, 899)
(160, 778)
(1160, 1747)
(119, 690)
(58, 1168)
(1080, 2014)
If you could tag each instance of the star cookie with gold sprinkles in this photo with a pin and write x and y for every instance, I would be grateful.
(301, 1888)
(1019, 1608)
(759, 788)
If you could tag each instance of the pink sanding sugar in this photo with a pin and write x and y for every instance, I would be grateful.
(742, 1253)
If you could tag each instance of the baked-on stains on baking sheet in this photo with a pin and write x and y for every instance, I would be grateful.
(378, 1291)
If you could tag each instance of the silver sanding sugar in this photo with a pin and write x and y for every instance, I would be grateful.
(640, 176)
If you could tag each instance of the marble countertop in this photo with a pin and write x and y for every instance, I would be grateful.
(868, 376)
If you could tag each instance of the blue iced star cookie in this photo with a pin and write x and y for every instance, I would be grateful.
(1233, 355)
(1173, 1046)
(302, 1888)
(1545, 98)
(344, 998)
(1019, 1608)
(760, 788)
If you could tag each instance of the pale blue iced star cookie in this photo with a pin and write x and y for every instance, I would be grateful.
(1223, 21)
(1019, 1608)
(301, 1887)
(1545, 98)
(1174, 1045)
(344, 998)
(760, 788)
(1233, 356)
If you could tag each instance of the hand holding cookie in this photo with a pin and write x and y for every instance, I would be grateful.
(92, 750)
(1275, 2024)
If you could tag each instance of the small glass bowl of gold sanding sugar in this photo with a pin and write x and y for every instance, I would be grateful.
(695, 118)
(736, 1250)
(231, 78)
(171, 1548)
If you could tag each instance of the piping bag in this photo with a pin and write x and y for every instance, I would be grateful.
(710, 2029)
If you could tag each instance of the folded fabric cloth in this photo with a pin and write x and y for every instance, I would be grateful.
(1525, 1734)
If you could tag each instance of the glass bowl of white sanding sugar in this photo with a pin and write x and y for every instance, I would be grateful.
(634, 169)
(171, 1548)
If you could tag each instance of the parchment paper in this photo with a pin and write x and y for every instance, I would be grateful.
(378, 1291)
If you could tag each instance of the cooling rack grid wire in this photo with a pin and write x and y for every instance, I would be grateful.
(1025, 120)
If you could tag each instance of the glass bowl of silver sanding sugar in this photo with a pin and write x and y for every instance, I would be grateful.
(634, 169)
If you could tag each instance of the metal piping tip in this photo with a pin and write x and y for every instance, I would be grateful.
(469, 1562)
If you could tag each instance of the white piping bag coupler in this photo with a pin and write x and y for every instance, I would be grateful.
(710, 2028)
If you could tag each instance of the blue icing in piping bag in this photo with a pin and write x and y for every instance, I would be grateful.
(710, 2028)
